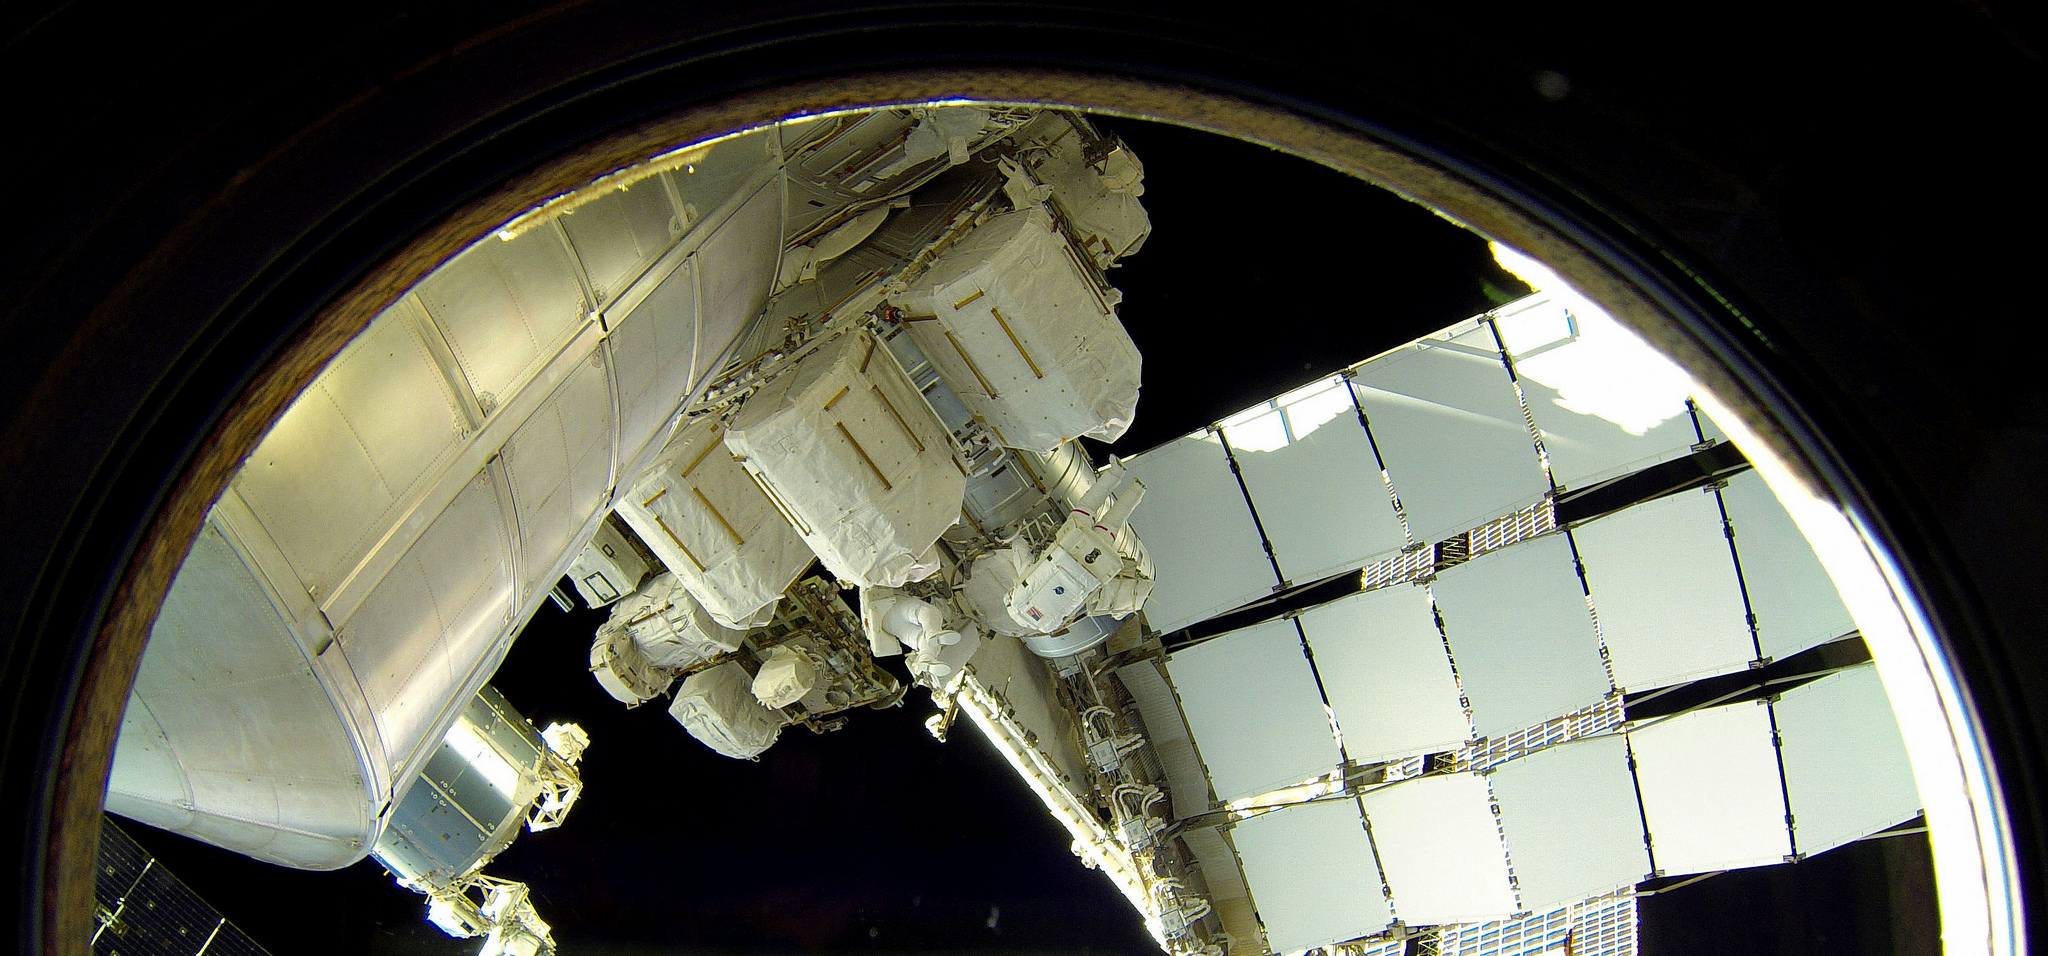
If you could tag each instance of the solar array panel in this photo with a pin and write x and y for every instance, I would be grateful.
(1470, 696)
(142, 910)
(1311, 869)
(1253, 707)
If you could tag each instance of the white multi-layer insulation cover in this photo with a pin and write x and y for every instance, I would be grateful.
(717, 706)
(856, 460)
(621, 668)
(785, 677)
(1100, 199)
(652, 634)
(608, 569)
(670, 627)
(1026, 338)
(714, 526)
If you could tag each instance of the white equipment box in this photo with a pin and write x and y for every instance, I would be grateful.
(715, 528)
(1028, 339)
(856, 459)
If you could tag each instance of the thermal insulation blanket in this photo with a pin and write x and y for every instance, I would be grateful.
(715, 528)
(622, 670)
(855, 458)
(785, 677)
(669, 627)
(717, 707)
(1028, 339)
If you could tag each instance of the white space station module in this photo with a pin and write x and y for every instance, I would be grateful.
(801, 407)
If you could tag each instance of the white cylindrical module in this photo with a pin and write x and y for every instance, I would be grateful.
(369, 564)
(469, 803)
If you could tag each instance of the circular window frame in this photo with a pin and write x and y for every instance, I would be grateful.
(1679, 311)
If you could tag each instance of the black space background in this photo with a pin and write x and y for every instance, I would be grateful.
(1262, 273)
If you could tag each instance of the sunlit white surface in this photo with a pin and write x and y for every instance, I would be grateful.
(218, 649)
(1607, 371)
(619, 233)
(416, 501)
(1572, 822)
(1845, 766)
(1710, 790)
(1311, 873)
(1383, 665)
(343, 463)
(1606, 404)
(1289, 418)
(858, 461)
(506, 307)
(559, 464)
(421, 631)
(1441, 848)
(732, 285)
(499, 773)
(651, 348)
(710, 524)
(1038, 352)
(1252, 704)
(1091, 843)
